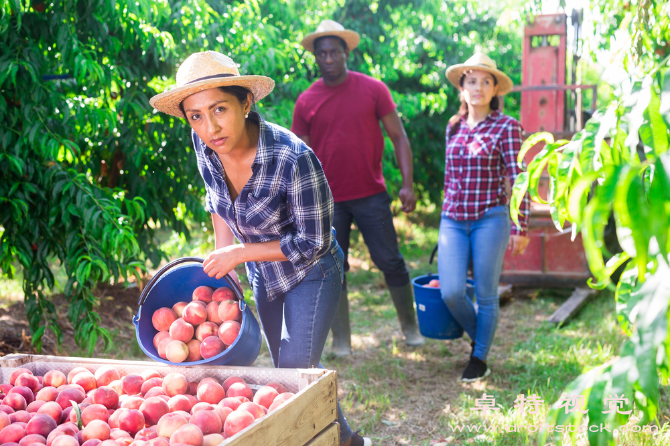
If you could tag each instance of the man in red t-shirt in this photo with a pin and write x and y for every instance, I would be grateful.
(338, 117)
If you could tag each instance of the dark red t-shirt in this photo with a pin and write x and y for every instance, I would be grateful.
(343, 125)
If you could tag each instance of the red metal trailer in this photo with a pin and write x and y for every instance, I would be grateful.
(551, 258)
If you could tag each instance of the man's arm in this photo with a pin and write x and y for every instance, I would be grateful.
(307, 139)
(403, 153)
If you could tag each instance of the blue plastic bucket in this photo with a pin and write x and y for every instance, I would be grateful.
(435, 319)
(174, 283)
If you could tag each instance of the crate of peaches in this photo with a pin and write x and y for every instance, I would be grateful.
(56, 401)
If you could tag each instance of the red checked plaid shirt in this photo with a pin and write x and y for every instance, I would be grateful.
(477, 162)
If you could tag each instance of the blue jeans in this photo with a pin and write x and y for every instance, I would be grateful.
(374, 219)
(296, 324)
(484, 241)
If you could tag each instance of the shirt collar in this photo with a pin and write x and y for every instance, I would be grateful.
(265, 149)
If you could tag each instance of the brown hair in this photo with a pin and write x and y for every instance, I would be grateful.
(463, 109)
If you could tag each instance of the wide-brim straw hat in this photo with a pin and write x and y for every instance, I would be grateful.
(330, 28)
(208, 69)
(482, 62)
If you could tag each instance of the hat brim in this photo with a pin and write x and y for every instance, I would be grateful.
(351, 38)
(455, 72)
(168, 102)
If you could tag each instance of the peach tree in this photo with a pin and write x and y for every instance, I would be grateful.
(619, 166)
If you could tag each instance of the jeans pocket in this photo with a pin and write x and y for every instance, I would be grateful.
(330, 265)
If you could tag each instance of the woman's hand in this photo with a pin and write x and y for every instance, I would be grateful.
(223, 260)
(518, 244)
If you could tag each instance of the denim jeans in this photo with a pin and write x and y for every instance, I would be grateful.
(484, 241)
(296, 324)
(374, 219)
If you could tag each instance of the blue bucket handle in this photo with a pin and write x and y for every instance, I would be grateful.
(237, 290)
(432, 256)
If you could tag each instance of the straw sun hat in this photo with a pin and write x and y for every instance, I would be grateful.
(482, 62)
(331, 28)
(208, 69)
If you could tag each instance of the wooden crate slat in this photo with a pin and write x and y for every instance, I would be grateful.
(297, 421)
(330, 436)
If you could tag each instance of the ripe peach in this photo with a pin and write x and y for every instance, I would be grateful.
(97, 429)
(174, 384)
(212, 440)
(54, 378)
(162, 345)
(4, 420)
(117, 433)
(52, 409)
(211, 392)
(176, 351)
(146, 434)
(232, 403)
(16, 373)
(40, 424)
(155, 391)
(279, 400)
(158, 337)
(253, 408)
(106, 396)
(74, 372)
(64, 440)
(205, 330)
(149, 384)
(229, 310)
(199, 406)
(433, 283)
(236, 422)
(132, 384)
(32, 439)
(188, 434)
(228, 332)
(240, 389)
(35, 406)
(117, 386)
(93, 442)
(169, 423)
(205, 381)
(158, 441)
(94, 412)
(27, 380)
(106, 374)
(208, 421)
(179, 402)
(47, 394)
(66, 415)
(193, 350)
(25, 392)
(20, 416)
(194, 314)
(108, 443)
(147, 374)
(15, 401)
(223, 293)
(213, 313)
(71, 386)
(203, 293)
(132, 402)
(65, 397)
(211, 347)
(180, 330)
(265, 396)
(278, 387)
(12, 434)
(179, 308)
(222, 412)
(153, 409)
(163, 318)
(131, 421)
(230, 381)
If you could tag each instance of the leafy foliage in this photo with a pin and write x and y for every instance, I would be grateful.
(89, 171)
(619, 166)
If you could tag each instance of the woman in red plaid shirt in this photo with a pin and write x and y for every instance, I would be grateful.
(482, 149)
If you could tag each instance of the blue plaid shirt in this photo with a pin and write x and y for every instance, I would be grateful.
(287, 198)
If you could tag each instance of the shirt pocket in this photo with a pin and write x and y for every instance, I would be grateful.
(482, 146)
(264, 210)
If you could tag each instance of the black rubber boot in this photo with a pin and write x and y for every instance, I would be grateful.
(403, 299)
(341, 327)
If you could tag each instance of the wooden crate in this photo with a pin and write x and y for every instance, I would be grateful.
(309, 418)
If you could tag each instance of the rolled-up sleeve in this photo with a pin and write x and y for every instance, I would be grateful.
(511, 145)
(311, 204)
